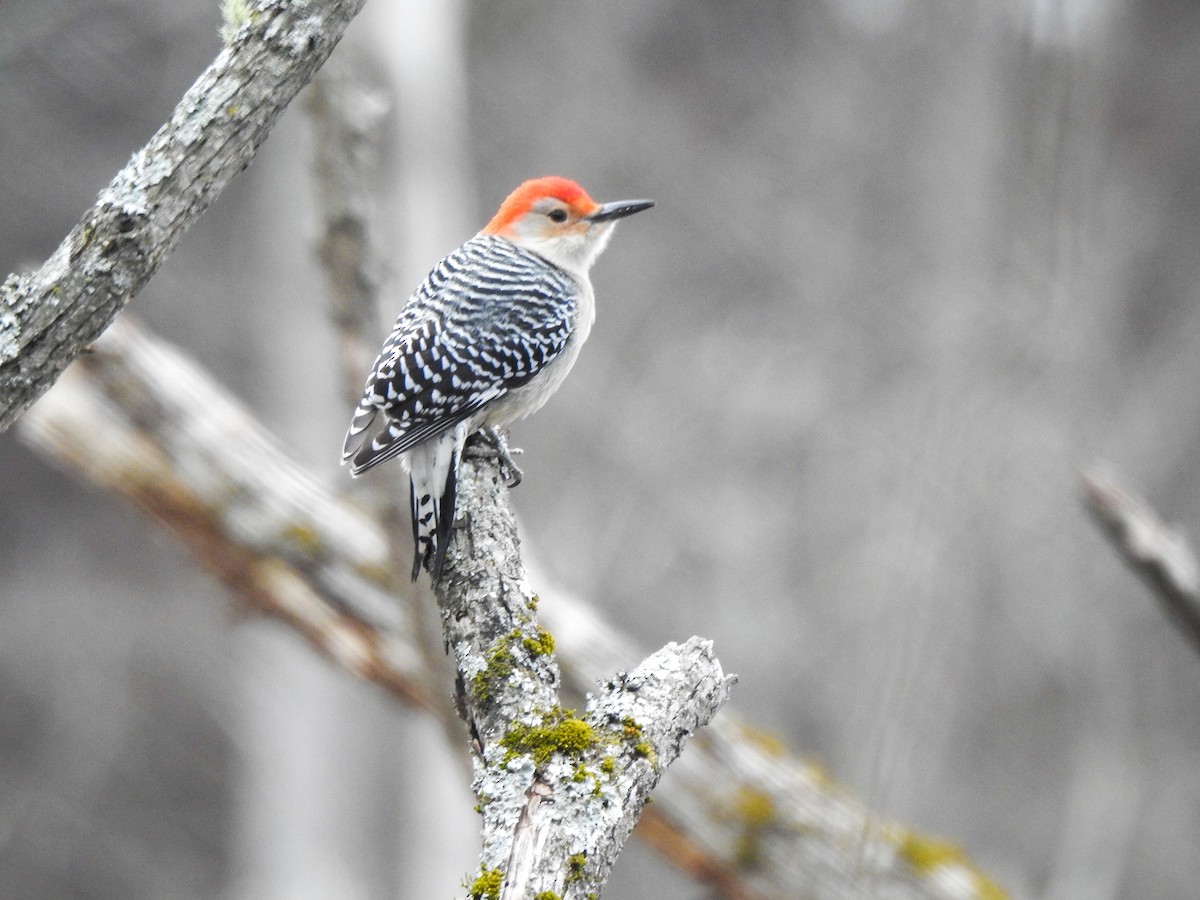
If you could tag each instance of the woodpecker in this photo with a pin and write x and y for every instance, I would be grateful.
(484, 341)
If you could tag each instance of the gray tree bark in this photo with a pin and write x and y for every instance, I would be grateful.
(559, 793)
(48, 316)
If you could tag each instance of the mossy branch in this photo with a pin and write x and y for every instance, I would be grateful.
(48, 316)
(559, 793)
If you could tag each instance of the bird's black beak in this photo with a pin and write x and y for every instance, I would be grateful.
(619, 209)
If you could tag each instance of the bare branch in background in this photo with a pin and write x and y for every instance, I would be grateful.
(48, 316)
(138, 418)
(1151, 547)
(738, 812)
(347, 117)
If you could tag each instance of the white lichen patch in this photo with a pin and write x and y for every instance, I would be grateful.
(469, 663)
(10, 333)
(194, 117)
(15, 300)
(15, 292)
(153, 168)
(502, 790)
(306, 36)
(127, 191)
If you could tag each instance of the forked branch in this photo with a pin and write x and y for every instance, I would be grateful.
(559, 792)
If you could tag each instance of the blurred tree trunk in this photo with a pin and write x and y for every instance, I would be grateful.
(380, 824)
(427, 206)
(319, 777)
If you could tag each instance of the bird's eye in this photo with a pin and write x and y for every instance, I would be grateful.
(557, 215)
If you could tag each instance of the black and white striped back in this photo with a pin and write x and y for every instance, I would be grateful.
(487, 319)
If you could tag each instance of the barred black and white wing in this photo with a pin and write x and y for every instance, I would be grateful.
(489, 318)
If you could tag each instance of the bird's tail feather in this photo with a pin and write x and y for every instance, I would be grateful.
(433, 468)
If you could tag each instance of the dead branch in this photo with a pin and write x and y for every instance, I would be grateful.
(559, 793)
(138, 418)
(1151, 547)
(48, 316)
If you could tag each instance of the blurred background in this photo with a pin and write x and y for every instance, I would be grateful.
(914, 264)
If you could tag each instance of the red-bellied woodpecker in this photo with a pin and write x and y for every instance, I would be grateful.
(484, 341)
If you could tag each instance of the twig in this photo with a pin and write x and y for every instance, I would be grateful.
(48, 316)
(1152, 548)
(739, 812)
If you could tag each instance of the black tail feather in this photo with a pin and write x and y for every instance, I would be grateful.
(444, 521)
(418, 550)
(431, 541)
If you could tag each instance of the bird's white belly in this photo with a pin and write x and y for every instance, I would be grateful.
(532, 396)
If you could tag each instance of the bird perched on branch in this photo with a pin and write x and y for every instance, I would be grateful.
(485, 340)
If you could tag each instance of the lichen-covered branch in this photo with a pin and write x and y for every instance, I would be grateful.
(1151, 547)
(48, 316)
(743, 814)
(739, 812)
(559, 793)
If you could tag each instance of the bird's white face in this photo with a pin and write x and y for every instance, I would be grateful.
(562, 233)
(556, 219)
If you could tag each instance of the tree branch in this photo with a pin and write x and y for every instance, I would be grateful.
(559, 794)
(1149, 546)
(138, 418)
(48, 316)
(738, 812)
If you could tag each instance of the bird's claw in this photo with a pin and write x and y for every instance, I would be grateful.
(499, 451)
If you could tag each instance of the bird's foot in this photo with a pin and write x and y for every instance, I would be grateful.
(499, 450)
